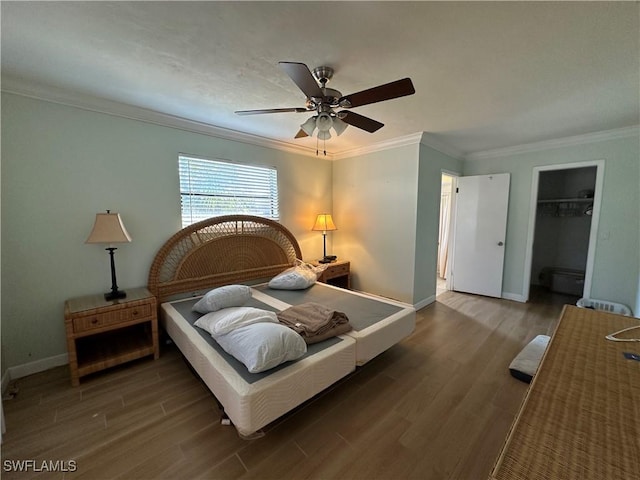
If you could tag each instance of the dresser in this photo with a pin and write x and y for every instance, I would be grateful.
(580, 418)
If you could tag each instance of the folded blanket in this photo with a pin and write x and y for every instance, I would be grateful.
(314, 322)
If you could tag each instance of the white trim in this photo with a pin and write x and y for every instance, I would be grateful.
(413, 139)
(131, 112)
(6, 378)
(423, 303)
(30, 368)
(452, 224)
(513, 296)
(557, 143)
(117, 109)
(595, 219)
(423, 138)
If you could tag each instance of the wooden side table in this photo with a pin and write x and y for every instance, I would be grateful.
(337, 273)
(102, 334)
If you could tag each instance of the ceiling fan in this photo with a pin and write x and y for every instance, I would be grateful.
(323, 101)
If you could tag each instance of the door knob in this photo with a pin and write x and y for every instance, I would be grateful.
(500, 244)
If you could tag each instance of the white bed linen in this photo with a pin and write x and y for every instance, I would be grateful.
(251, 406)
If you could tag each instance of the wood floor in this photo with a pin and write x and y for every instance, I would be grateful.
(436, 406)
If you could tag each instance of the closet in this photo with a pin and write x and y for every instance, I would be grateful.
(562, 229)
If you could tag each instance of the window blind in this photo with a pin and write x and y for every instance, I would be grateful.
(210, 188)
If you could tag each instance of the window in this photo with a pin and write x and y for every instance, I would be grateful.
(210, 188)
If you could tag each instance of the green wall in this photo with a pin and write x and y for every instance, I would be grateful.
(62, 165)
(375, 206)
(432, 164)
(389, 205)
(617, 254)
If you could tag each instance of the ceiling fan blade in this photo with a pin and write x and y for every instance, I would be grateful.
(360, 121)
(388, 91)
(301, 134)
(303, 78)
(272, 110)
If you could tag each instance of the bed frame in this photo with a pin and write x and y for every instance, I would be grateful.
(220, 251)
(251, 250)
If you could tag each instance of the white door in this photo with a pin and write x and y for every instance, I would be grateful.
(480, 229)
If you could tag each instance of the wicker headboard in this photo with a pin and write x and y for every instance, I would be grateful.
(220, 251)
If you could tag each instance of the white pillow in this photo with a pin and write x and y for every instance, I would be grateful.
(225, 320)
(223, 297)
(299, 277)
(262, 346)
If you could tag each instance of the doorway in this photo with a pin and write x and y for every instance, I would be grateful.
(563, 224)
(482, 203)
(444, 232)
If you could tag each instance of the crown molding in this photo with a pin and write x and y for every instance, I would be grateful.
(91, 103)
(613, 134)
(122, 110)
(423, 138)
(412, 139)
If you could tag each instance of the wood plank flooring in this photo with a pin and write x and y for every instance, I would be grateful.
(436, 406)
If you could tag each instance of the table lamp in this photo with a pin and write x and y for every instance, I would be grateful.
(324, 223)
(108, 228)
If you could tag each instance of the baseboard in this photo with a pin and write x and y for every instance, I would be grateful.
(6, 378)
(425, 302)
(30, 368)
(514, 296)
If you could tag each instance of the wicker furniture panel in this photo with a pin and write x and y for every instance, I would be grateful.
(91, 322)
(102, 334)
(220, 251)
(581, 416)
(337, 273)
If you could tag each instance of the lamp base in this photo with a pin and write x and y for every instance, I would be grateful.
(328, 259)
(115, 295)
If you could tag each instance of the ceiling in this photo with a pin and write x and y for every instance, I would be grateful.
(487, 75)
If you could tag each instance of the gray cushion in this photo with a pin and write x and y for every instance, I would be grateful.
(524, 365)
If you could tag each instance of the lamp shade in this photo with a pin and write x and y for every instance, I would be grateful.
(108, 228)
(324, 134)
(324, 122)
(339, 126)
(324, 223)
(309, 126)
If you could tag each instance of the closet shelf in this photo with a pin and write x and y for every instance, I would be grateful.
(565, 207)
(567, 200)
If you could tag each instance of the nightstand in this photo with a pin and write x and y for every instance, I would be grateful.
(337, 273)
(102, 334)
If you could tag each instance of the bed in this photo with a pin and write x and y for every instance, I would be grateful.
(248, 250)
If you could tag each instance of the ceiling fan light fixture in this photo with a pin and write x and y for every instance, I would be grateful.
(324, 122)
(339, 126)
(323, 100)
(309, 126)
(324, 134)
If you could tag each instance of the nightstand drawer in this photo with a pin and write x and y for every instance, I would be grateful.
(90, 322)
(336, 270)
(104, 333)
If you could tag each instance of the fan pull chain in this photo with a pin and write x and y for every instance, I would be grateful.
(324, 147)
